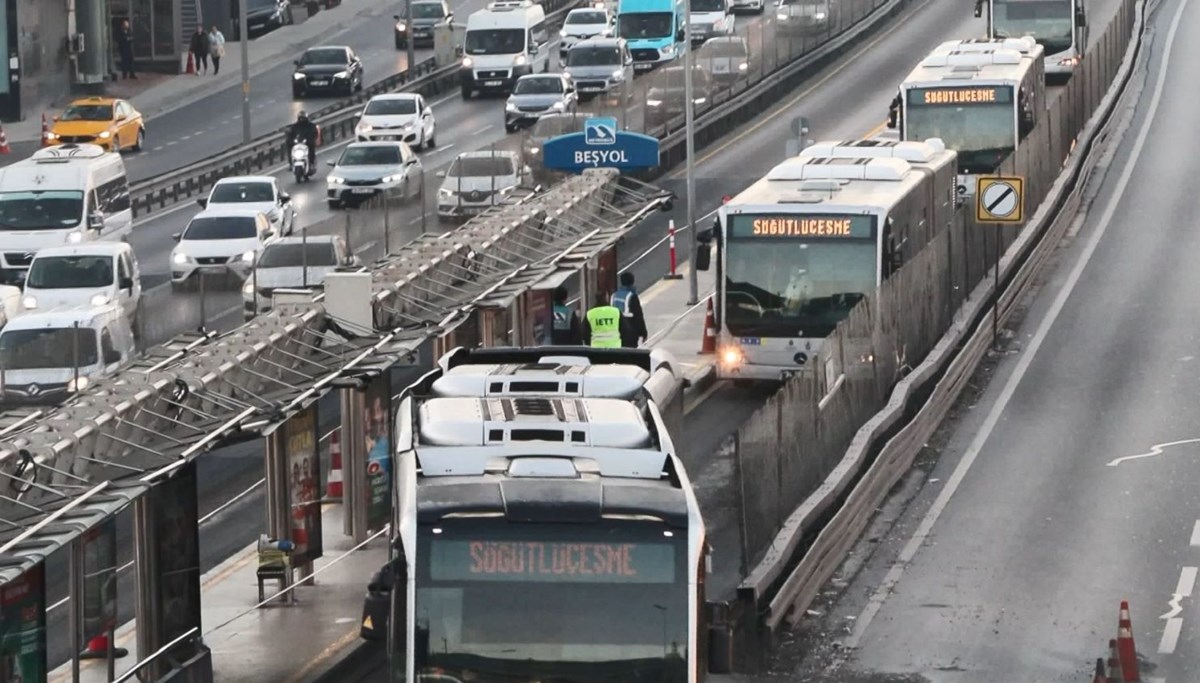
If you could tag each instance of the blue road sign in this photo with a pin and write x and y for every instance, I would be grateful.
(602, 144)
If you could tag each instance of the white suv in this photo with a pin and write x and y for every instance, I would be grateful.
(257, 193)
(477, 181)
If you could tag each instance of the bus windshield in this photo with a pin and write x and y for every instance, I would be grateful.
(45, 348)
(40, 209)
(795, 287)
(490, 602)
(1049, 22)
(645, 25)
(978, 123)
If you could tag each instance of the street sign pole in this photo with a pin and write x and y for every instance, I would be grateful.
(410, 44)
(244, 38)
(998, 200)
(689, 136)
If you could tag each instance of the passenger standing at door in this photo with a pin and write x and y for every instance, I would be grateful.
(565, 328)
(629, 304)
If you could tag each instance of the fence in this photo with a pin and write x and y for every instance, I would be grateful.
(797, 439)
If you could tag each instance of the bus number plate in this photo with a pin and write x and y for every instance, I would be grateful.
(750, 341)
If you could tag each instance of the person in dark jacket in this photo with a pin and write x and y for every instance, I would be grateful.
(565, 328)
(200, 49)
(124, 41)
(304, 129)
(627, 301)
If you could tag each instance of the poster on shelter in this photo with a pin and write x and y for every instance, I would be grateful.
(176, 520)
(23, 628)
(304, 476)
(378, 436)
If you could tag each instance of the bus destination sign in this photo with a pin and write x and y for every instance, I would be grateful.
(536, 561)
(792, 226)
(979, 94)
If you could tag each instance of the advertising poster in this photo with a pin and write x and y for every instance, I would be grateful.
(178, 549)
(377, 418)
(100, 579)
(304, 477)
(23, 628)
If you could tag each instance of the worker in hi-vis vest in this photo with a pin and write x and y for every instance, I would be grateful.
(564, 330)
(603, 324)
(628, 302)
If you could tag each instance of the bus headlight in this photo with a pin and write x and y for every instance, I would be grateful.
(99, 299)
(74, 237)
(732, 356)
(77, 384)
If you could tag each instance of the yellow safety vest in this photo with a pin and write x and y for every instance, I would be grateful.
(605, 324)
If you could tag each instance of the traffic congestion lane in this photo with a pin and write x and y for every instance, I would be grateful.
(214, 124)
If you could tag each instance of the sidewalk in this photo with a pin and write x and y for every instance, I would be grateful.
(156, 94)
(303, 642)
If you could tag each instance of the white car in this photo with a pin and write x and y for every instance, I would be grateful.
(404, 117)
(584, 23)
(91, 274)
(283, 263)
(477, 181)
(257, 193)
(219, 241)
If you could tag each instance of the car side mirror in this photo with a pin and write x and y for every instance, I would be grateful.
(285, 197)
(177, 236)
(331, 163)
(120, 117)
(296, 63)
(441, 174)
(126, 283)
(203, 202)
(96, 221)
(396, 17)
(112, 356)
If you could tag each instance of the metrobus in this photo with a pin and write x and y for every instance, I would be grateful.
(1059, 26)
(982, 97)
(541, 533)
(800, 248)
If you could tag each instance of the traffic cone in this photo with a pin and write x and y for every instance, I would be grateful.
(1125, 646)
(97, 648)
(709, 343)
(333, 488)
(4, 148)
(191, 64)
(1114, 663)
(1100, 676)
(45, 126)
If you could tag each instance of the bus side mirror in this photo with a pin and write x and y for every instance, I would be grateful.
(377, 604)
(1080, 17)
(703, 257)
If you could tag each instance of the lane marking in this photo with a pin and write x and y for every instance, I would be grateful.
(1156, 449)
(1187, 581)
(482, 130)
(1196, 534)
(888, 586)
(1170, 636)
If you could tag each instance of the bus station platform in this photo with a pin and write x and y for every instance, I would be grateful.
(306, 640)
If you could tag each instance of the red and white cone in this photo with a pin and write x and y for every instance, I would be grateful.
(709, 343)
(97, 648)
(191, 64)
(333, 488)
(1101, 676)
(1125, 646)
(1114, 663)
(4, 148)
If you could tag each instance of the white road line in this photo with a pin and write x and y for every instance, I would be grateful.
(1187, 581)
(1170, 636)
(1029, 353)
(1196, 534)
(482, 130)
(172, 142)
(443, 148)
(445, 99)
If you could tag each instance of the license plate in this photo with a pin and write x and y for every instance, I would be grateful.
(318, 82)
(750, 341)
(594, 88)
(491, 84)
(471, 211)
(211, 269)
(643, 66)
(362, 190)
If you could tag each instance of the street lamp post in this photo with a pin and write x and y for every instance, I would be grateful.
(244, 35)
(689, 133)
(412, 50)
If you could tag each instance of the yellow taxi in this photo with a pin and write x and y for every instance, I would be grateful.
(111, 123)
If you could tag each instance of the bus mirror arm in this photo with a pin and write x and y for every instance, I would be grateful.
(978, 8)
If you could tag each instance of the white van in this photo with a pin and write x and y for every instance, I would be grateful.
(93, 274)
(47, 357)
(505, 41)
(65, 194)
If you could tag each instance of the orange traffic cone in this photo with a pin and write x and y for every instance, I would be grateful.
(1125, 646)
(4, 148)
(1101, 676)
(333, 487)
(709, 343)
(191, 64)
(97, 648)
(1114, 663)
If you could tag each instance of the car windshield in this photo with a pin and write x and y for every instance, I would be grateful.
(645, 25)
(392, 106)
(55, 347)
(723, 48)
(427, 10)
(594, 56)
(708, 5)
(70, 272)
(325, 56)
(587, 17)
(811, 4)
(221, 228)
(87, 112)
(467, 167)
(495, 41)
(370, 155)
(550, 126)
(294, 254)
(40, 210)
(539, 86)
(1050, 22)
(260, 4)
(236, 193)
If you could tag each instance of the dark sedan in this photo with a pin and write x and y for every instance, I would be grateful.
(333, 69)
(262, 16)
(426, 16)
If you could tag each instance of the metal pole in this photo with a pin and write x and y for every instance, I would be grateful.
(254, 288)
(74, 604)
(304, 256)
(412, 50)
(387, 226)
(424, 206)
(996, 288)
(203, 302)
(689, 106)
(244, 35)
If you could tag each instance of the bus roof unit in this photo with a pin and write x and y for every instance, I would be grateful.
(847, 184)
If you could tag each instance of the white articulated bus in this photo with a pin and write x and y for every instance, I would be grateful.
(801, 247)
(1059, 26)
(982, 97)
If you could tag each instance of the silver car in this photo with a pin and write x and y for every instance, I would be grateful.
(535, 95)
(803, 17)
(366, 169)
(726, 59)
(601, 66)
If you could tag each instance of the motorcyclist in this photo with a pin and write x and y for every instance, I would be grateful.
(305, 130)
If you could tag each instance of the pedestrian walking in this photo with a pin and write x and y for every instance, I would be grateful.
(124, 40)
(603, 325)
(626, 300)
(200, 50)
(216, 48)
(565, 328)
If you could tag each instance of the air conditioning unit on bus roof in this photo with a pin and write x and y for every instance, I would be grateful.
(912, 151)
(823, 168)
(67, 152)
(507, 5)
(971, 59)
(542, 379)
(604, 423)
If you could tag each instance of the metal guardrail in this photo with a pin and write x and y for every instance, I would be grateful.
(337, 122)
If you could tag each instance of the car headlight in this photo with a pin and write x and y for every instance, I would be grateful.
(104, 135)
(743, 66)
(298, 76)
(443, 193)
(510, 106)
(335, 180)
(669, 50)
(392, 178)
(77, 384)
(29, 302)
(699, 100)
(1068, 61)
(179, 258)
(562, 34)
(248, 287)
(51, 136)
(467, 62)
(364, 127)
(653, 103)
(617, 75)
(342, 74)
(408, 126)
(819, 16)
(99, 299)
(732, 356)
(534, 150)
(559, 106)
(400, 26)
(248, 257)
(74, 237)
(519, 59)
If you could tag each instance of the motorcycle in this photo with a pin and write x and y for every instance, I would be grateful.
(301, 167)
